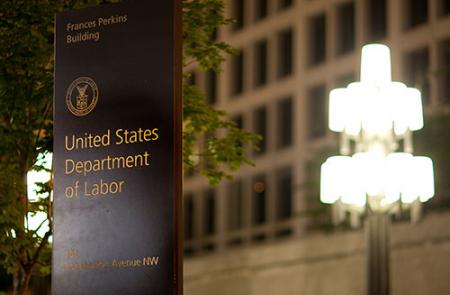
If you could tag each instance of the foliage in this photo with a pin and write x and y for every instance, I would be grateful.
(26, 86)
(220, 154)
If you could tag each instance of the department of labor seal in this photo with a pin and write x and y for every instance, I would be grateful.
(82, 96)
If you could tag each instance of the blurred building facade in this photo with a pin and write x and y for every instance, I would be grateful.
(265, 232)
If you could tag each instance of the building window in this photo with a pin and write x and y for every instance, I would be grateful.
(284, 196)
(192, 78)
(284, 123)
(189, 172)
(238, 120)
(211, 87)
(259, 199)
(215, 34)
(317, 112)
(320, 216)
(260, 63)
(234, 208)
(189, 217)
(317, 39)
(416, 13)
(377, 19)
(260, 127)
(416, 70)
(285, 53)
(343, 80)
(444, 70)
(237, 73)
(346, 28)
(238, 14)
(284, 4)
(445, 7)
(261, 9)
(210, 212)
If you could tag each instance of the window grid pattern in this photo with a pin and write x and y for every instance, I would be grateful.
(261, 210)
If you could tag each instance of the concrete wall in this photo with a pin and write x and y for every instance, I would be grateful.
(325, 264)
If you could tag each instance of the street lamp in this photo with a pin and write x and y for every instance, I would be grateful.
(376, 173)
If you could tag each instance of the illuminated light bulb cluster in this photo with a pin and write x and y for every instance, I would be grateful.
(397, 177)
(377, 115)
(375, 109)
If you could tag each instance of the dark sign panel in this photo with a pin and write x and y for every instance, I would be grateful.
(117, 150)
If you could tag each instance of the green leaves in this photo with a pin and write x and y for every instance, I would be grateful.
(201, 18)
(224, 147)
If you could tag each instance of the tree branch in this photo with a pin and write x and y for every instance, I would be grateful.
(44, 241)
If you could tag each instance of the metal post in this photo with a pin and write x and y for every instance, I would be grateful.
(377, 226)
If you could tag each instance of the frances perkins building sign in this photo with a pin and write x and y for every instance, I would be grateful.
(117, 150)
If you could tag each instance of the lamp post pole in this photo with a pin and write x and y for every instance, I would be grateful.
(377, 252)
(376, 173)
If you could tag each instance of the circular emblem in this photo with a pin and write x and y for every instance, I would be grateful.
(82, 96)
